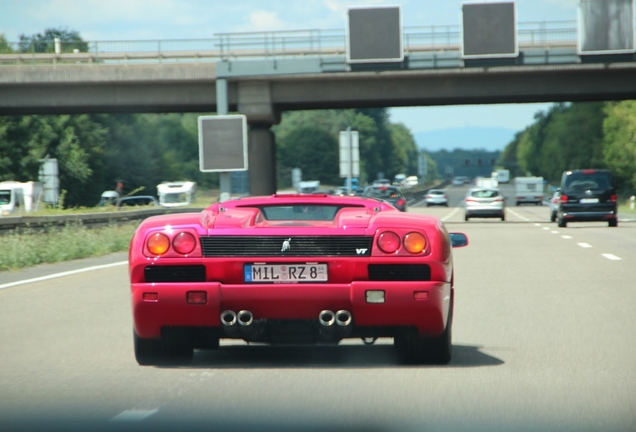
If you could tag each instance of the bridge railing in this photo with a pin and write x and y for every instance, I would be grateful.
(314, 42)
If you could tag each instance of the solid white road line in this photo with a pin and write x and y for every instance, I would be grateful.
(523, 218)
(612, 257)
(134, 415)
(59, 275)
(450, 215)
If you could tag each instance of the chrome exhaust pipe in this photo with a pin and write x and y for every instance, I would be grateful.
(249, 328)
(326, 318)
(229, 323)
(344, 323)
(327, 326)
(244, 318)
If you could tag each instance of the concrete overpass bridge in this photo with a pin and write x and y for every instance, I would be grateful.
(263, 74)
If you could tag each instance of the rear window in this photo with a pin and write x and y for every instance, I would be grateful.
(484, 193)
(436, 192)
(300, 212)
(383, 192)
(584, 180)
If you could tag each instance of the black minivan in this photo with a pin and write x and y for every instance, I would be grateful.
(587, 195)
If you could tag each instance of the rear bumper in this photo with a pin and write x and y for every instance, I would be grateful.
(589, 216)
(169, 308)
(488, 212)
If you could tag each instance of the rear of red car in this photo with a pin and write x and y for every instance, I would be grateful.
(246, 271)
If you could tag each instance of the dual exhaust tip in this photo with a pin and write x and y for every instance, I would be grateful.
(341, 318)
(332, 325)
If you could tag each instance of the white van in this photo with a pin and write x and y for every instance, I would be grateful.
(529, 190)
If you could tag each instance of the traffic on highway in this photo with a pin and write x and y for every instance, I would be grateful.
(542, 340)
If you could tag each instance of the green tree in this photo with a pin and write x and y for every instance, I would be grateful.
(619, 148)
(5, 48)
(44, 42)
(317, 155)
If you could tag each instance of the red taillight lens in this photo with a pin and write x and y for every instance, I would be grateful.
(499, 199)
(401, 201)
(388, 242)
(613, 198)
(196, 297)
(158, 244)
(414, 242)
(564, 198)
(184, 243)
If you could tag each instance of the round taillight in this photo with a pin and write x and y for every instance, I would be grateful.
(414, 242)
(184, 243)
(158, 244)
(388, 242)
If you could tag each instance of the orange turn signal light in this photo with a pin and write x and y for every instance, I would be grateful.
(158, 244)
(414, 242)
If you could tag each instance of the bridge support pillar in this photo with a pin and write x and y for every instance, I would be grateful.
(255, 102)
(262, 160)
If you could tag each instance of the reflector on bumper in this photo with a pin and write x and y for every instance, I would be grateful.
(375, 296)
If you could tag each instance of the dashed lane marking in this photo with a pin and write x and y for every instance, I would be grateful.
(612, 257)
(134, 415)
(584, 245)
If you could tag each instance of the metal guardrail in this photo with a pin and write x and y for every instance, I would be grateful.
(39, 224)
(224, 46)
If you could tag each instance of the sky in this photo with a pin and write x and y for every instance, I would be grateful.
(102, 20)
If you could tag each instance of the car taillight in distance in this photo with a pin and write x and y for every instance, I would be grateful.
(613, 198)
(564, 198)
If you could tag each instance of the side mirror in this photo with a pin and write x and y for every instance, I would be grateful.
(458, 239)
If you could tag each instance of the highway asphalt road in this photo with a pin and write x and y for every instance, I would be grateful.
(543, 339)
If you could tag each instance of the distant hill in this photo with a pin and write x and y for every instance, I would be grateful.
(467, 138)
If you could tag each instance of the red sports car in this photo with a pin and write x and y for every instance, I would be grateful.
(292, 269)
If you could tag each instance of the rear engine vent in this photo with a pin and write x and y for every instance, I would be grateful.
(399, 272)
(187, 273)
(286, 246)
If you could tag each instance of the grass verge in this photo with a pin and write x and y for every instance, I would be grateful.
(72, 242)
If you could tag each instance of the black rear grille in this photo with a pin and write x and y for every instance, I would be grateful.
(188, 273)
(399, 272)
(299, 246)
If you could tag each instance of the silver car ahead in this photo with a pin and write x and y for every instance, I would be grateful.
(554, 205)
(436, 197)
(484, 203)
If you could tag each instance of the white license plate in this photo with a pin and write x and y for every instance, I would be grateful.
(285, 273)
(588, 200)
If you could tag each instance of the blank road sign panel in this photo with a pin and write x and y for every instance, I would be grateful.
(606, 27)
(223, 143)
(489, 30)
(374, 35)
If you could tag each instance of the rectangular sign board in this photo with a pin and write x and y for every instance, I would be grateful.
(223, 143)
(489, 30)
(374, 34)
(349, 154)
(606, 27)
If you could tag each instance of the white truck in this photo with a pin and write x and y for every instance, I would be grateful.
(529, 190)
(502, 175)
(19, 197)
(175, 194)
(309, 186)
(486, 182)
